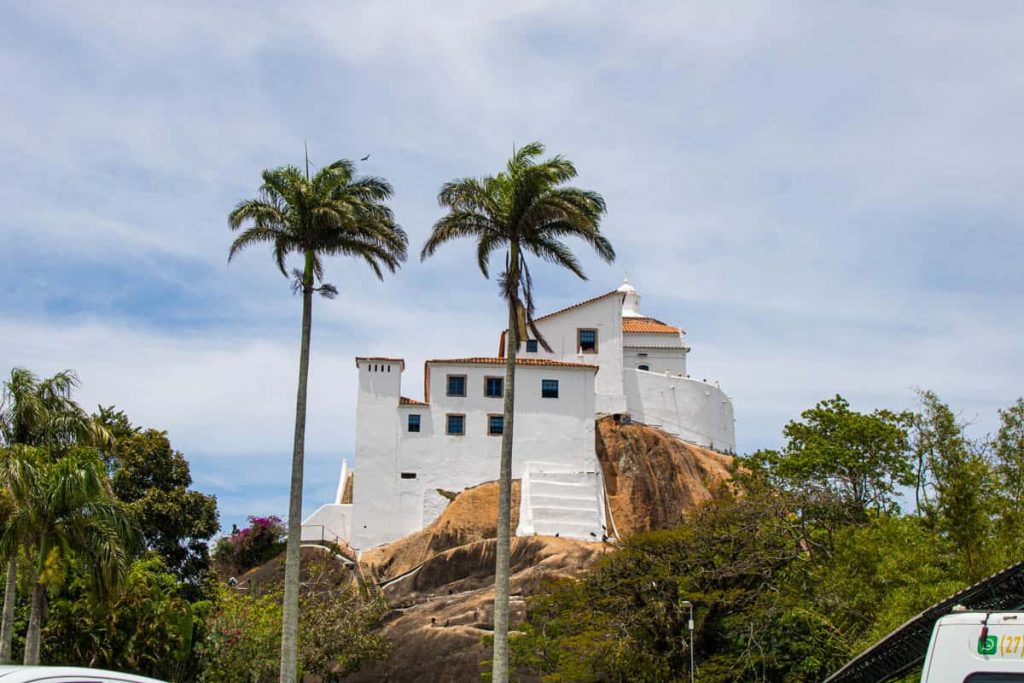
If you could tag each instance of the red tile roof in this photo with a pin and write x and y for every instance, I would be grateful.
(404, 401)
(501, 361)
(648, 326)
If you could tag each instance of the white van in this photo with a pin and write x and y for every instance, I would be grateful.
(976, 647)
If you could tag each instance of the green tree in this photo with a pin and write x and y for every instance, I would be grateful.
(960, 480)
(1007, 449)
(526, 209)
(64, 509)
(857, 459)
(147, 628)
(334, 213)
(153, 480)
(37, 413)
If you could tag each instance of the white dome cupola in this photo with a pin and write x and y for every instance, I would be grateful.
(630, 300)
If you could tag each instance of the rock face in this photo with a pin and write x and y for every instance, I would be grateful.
(652, 478)
(471, 517)
(439, 581)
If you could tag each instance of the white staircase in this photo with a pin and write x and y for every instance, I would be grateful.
(558, 501)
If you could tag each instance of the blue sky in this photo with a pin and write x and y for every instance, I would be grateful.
(826, 195)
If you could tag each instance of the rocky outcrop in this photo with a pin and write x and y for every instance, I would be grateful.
(653, 479)
(439, 581)
(472, 516)
(443, 609)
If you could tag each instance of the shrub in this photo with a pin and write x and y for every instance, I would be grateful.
(253, 545)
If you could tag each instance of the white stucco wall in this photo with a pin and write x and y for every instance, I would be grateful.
(389, 506)
(331, 523)
(375, 493)
(560, 331)
(658, 359)
(693, 410)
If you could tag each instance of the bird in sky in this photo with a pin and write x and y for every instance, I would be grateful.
(365, 158)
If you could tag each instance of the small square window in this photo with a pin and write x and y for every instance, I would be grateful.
(494, 387)
(456, 385)
(587, 341)
(531, 346)
(549, 388)
(495, 425)
(456, 425)
(408, 475)
(643, 367)
(414, 423)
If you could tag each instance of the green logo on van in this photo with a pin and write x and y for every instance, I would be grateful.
(988, 645)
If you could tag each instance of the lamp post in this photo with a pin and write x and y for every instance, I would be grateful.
(687, 603)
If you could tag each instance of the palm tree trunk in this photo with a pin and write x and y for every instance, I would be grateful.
(7, 623)
(290, 611)
(500, 667)
(35, 615)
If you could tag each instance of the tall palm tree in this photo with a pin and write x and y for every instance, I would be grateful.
(525, 209)
(10, 583)
(334, 213)
(38, 413)
(64, 508)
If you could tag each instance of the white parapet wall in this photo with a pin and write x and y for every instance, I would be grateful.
(330, 523)
(694, 410)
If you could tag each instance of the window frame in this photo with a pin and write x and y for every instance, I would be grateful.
(448, 385)
(534, 343)
(543, 389)
(408, 423)
(501, 380)
(448, 424)
(579, 342)
(490, 416)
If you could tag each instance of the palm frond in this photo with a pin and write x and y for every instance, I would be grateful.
(455, 224)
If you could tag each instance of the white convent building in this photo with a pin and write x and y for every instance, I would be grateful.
(606, 358)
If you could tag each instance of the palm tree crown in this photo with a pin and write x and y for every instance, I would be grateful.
(42, 413)
(528, 205)
(331, 214)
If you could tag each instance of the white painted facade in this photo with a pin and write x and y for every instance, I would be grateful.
(606, 357)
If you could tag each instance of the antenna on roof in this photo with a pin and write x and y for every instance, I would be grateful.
(305, 146)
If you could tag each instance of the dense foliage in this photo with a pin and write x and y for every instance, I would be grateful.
(338, 630)
(104, 544)
(806, 562)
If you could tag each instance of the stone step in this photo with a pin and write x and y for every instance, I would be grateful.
(567, 477)
(581, 531)
(567, 514)
(575, 498)
(546, 488)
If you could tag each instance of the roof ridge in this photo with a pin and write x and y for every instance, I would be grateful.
(494, 360)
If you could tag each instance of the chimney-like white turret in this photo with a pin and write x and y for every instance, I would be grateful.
(631, 300)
